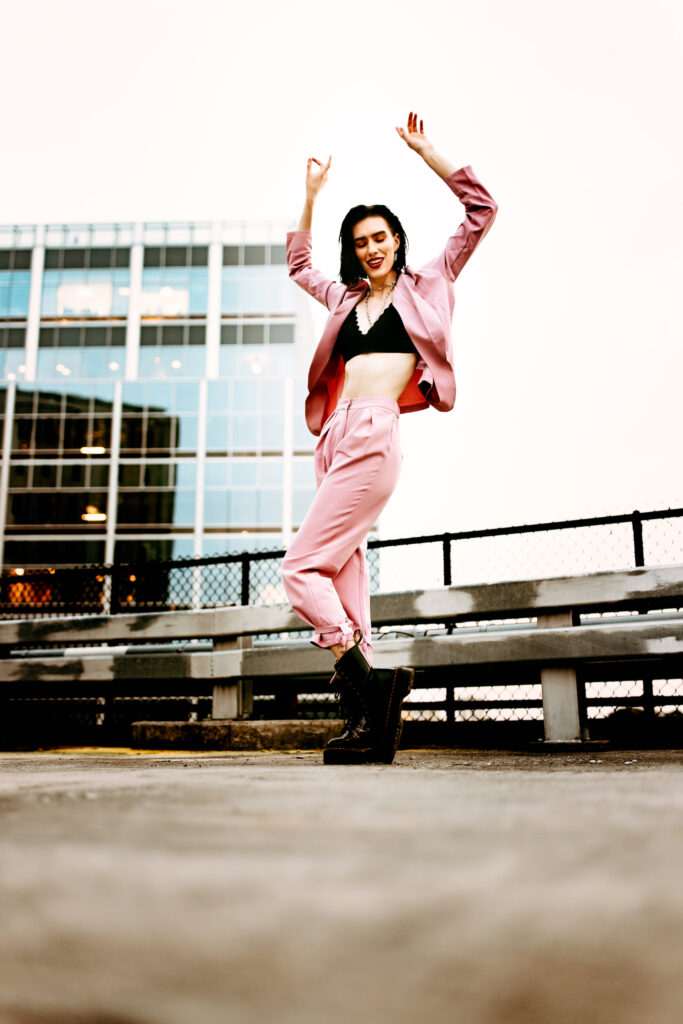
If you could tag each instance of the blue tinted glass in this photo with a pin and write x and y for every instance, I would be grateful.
(270, 506)
(63, 363)
(216, 474)
(270, 472)
(218, 433)
(14, 289)
(174, 291)
(272, 395)
(186, 475)
(158, 395)
(301, 501)
(172, 361)
(246, 395)
(186, 397)
(303, 473)
(244, 505)
(12, 362)
(133, 395)
(303, 438)
(85, 293)
(218, 400)
(183, 508)
(101, 362)
(58, 363)
(245, 473)
(187, 438)
(18, 305)
(199, 290)
(257, 290)
(256, 360)
(272, 428)
(216, 508)
(245, 431)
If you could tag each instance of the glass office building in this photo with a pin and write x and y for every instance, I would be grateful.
(152, 392)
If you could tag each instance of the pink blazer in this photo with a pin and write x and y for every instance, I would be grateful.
(424, 299)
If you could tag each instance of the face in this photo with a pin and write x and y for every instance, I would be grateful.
(375, 246)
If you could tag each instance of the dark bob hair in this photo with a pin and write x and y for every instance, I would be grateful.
(350, 270)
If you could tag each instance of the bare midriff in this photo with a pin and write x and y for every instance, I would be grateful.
(378, 373)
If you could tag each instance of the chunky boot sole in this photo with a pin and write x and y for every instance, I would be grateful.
(394, 685)
(347, 755)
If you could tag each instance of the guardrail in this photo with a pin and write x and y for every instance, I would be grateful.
(253, 577)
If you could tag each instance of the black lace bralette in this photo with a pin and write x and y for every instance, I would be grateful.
(387, 334)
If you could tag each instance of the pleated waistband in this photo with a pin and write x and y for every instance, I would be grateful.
(380, 401)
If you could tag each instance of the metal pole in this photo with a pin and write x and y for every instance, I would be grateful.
(447, 559)
(246, 561)
(637, 522)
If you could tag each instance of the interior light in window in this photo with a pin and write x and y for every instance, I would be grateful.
(22, 369)
(93, 449)
(64, 370)
(11, 376)
(157, 359)
(18, 572)
(176, 364)
(113, 366)
(93, 515)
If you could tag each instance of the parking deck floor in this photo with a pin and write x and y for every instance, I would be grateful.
(482, 887)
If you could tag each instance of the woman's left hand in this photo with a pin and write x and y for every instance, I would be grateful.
(414, 136)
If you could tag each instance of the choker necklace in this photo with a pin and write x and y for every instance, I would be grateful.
(382, 287)
(365, 303)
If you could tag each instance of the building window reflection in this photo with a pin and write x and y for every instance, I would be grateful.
(85, 293)
(14, 291)
(174, 291)
(239, 492)
(254, 290)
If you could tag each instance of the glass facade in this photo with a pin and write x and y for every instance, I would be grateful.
(152, 392)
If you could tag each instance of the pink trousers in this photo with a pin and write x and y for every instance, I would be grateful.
(357, 465)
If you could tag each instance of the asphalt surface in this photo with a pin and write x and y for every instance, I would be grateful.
(480, 887)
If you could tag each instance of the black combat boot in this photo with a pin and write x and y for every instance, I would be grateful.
(370, 702)
(389, 686)
(355, 743)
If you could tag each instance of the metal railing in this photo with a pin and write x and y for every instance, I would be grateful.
(253, 577)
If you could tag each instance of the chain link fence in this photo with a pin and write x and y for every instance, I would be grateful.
(408, 563)
(517, 552)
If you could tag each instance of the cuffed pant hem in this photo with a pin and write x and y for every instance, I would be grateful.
(336, 635)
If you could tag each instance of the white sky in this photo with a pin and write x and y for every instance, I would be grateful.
(567, 327)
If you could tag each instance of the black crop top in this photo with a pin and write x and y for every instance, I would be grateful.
(387, 334)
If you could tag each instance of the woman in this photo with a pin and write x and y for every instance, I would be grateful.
(386, 349)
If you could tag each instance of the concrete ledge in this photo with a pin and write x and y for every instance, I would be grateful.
(281, 734)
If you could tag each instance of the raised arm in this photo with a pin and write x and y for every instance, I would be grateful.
(480, 207)
(315, 180)
(299, 243)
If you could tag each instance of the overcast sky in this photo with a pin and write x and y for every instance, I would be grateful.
(567, 328)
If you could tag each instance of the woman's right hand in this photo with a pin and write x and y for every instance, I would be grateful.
(316, 177)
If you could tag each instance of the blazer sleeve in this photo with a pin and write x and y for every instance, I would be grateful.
(480, 214)
(302, 271)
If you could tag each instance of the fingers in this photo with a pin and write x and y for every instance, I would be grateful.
(312, 160)
(412, 123)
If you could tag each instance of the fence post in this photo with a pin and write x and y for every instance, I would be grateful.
(246, 561)
(637, 522)
(447, 559)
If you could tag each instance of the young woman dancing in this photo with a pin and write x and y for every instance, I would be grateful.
(386, 349)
